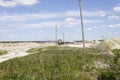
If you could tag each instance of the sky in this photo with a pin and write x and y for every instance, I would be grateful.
(35, 20)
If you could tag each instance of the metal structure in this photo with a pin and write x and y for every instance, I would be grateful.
(80, 5)
(63, 37)
(56, 42)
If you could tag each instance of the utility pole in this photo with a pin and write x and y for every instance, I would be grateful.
(69, 38)
(63, 37)
(80, 5)
(56, 35)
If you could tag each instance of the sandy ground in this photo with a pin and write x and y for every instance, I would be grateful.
(87, 45)
(19, 49)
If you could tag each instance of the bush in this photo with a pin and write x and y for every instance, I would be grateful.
(2, 52)
(13, 76)
(113, 72)
(51, 63)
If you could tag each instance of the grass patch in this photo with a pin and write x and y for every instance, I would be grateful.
(53, 63)
(2, 52)
(113, 71)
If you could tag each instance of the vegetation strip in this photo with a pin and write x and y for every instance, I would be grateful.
(2, 52)
(56, 64)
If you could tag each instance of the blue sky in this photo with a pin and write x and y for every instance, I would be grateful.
(36, 19)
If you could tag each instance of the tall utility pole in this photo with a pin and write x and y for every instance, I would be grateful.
(80, 5)
(56, 35)
(63, 37)
(69, 38)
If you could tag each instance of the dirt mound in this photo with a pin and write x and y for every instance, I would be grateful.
(19, 49)
(108, 45)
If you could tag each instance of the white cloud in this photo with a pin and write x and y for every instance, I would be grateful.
(91, 21)
(70, 22)
(31, 25)
(6, 30)
(118, 25)
(44, 19)
(4, 17)
(110, 26)
(103, 26)
(116, 32)
(114, 26)
(64, 23)
(41, 19)
(90, 13)
(73, 22)
(41, 31)
(102, 13)
(74, 13)
(96, 27)
(112, 33)
(77, 13)
(13, 3)
(89, 29)
(116, 8)
(69, 19)
(113, 17)
(29, 16)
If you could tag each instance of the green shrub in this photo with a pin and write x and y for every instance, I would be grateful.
(52, 64)
(2, 52)
(113, 71)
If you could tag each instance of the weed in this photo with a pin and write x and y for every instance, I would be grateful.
(53, 64)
